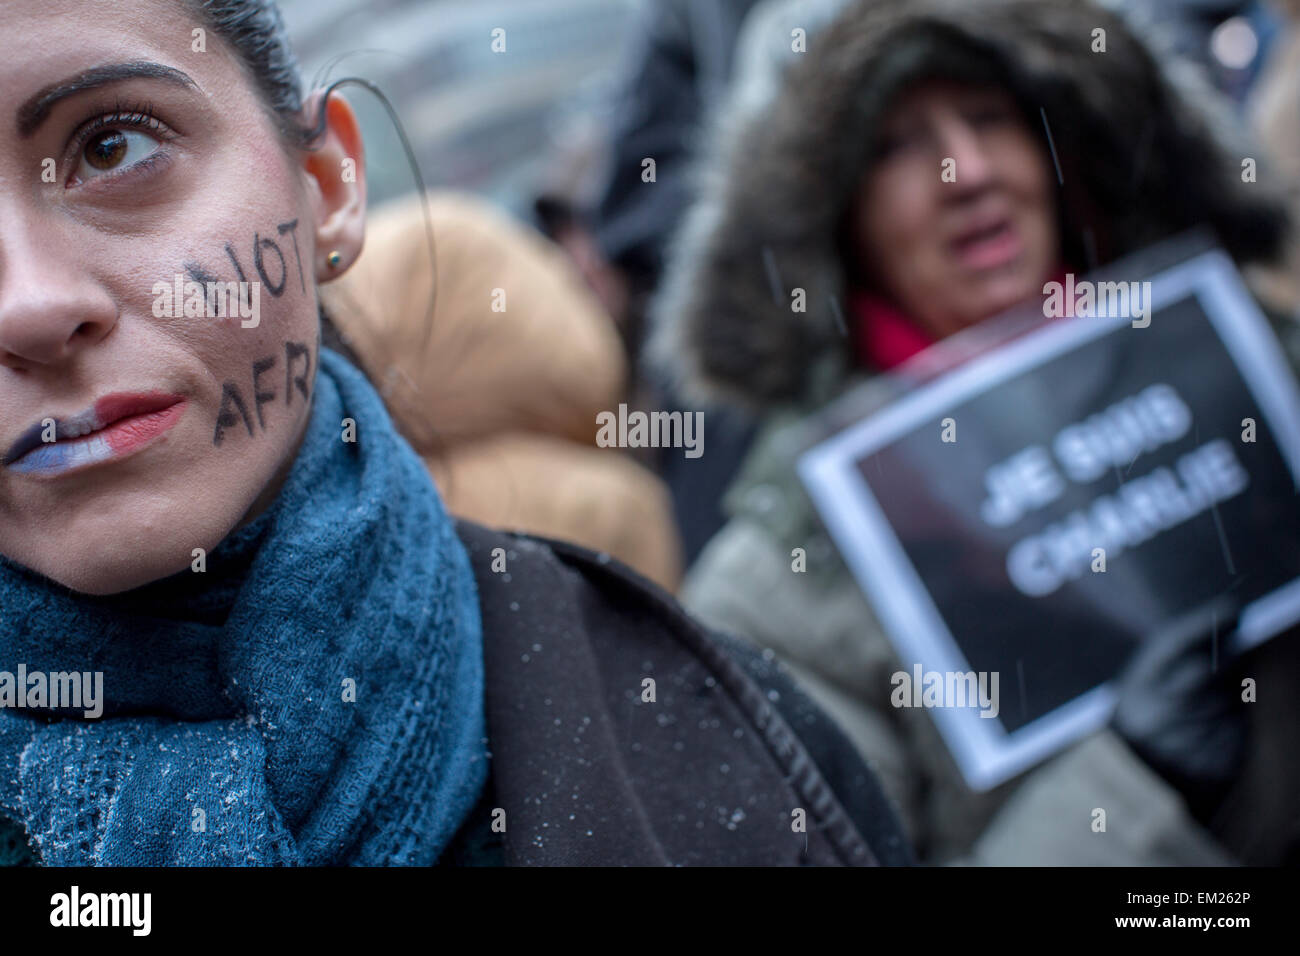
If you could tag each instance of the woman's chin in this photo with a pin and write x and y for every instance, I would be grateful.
(108, 553)
(108, 576)
(1001, 294)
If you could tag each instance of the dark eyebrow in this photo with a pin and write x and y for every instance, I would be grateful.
(34, 111)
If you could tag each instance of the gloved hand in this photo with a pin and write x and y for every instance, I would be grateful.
(1180, 706)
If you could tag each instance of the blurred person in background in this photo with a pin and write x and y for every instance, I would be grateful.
(681, 61)
(835, 189)
(676, 65)
(499, 343)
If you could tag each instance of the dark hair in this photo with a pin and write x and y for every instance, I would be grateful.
(255, 30)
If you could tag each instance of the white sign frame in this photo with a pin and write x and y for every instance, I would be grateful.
(985, 752)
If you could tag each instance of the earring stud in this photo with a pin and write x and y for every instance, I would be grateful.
(334, 258)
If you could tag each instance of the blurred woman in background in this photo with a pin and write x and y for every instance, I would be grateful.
(924, 167)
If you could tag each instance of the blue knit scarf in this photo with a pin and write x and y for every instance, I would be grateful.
(314, 697)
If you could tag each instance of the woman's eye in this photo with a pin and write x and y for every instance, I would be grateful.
(989, 116)
(113, 149)
(891, 144)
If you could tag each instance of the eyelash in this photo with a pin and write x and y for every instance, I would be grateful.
(137, 117)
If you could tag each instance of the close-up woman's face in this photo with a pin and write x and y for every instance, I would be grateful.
(955, 219)
(136, 424)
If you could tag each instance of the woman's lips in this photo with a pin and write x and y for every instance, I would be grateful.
(989, 248)
(116, 426)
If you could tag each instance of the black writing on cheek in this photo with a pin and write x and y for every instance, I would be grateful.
(261, 397)
(226, 417)
(234, 260)
(235, 410)
(292, 352)
(200, 275)
(291, 227)
(276, 289)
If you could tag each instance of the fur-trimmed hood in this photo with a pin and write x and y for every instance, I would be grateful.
(1141, 156)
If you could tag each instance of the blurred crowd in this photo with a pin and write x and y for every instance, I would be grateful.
(747, 149)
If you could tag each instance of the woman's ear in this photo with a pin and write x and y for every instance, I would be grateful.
(336, 177)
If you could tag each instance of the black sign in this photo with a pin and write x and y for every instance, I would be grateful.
(1039, 510)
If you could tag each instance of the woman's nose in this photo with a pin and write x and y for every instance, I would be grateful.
(51, 306)
(962, 143)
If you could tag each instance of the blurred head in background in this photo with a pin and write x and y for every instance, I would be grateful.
(925, 165)
(955, 216)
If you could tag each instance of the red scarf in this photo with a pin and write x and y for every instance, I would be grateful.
(886, 337)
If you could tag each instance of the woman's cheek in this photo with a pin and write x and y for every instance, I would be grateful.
(907, 209)
(267, 393)
(248, 312)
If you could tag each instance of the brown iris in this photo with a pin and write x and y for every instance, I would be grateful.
(106, 150)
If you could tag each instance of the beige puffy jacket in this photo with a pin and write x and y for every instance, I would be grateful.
(499, 392)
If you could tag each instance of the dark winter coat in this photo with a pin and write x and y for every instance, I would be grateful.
(675, 65)
(713, 770)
